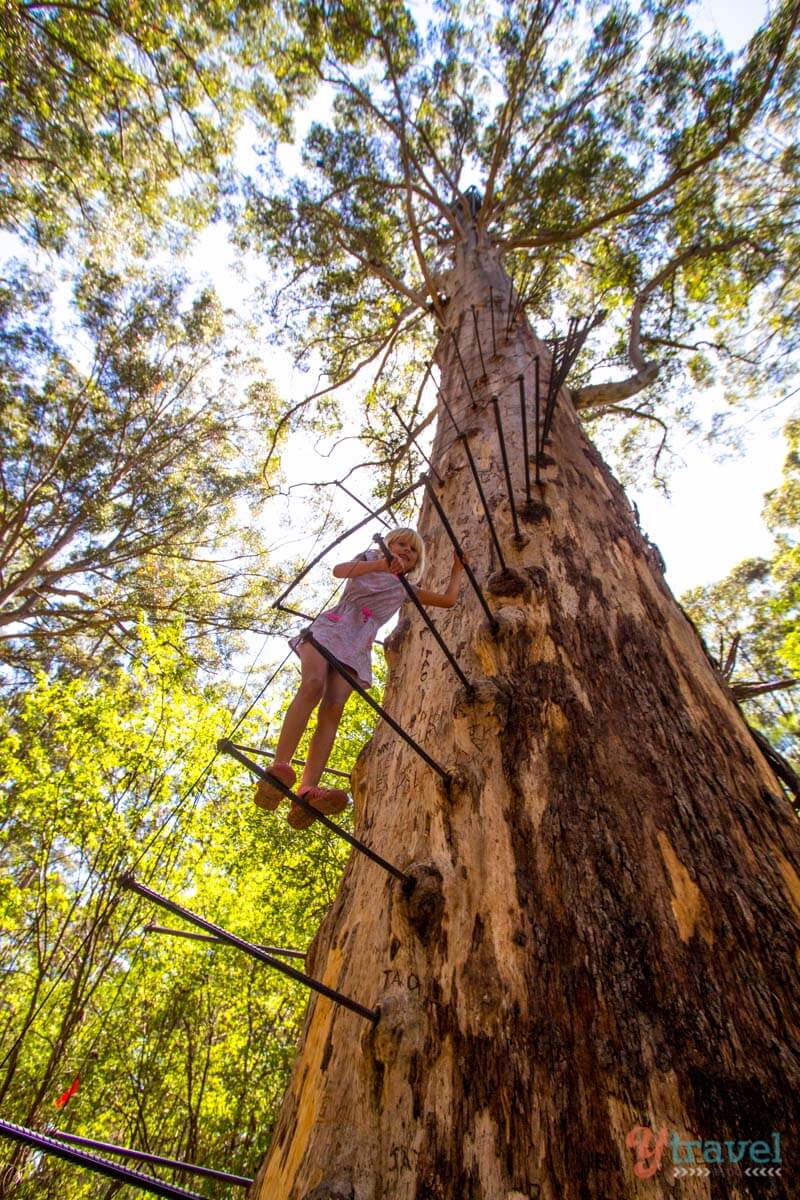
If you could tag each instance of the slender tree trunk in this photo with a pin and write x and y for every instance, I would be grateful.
(604, 931)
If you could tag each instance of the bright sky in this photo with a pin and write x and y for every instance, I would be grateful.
(712, 517)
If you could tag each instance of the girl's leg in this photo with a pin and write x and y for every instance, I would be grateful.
(331, 707)
(312, 685)
(314, 670)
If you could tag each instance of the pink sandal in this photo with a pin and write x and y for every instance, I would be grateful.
(330, 800)
(267, 795)
(325, 800)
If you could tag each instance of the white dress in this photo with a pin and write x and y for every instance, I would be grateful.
(348, 630)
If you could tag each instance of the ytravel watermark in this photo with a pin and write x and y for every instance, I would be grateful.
(651, 1149)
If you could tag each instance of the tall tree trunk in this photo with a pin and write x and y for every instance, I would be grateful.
(604, 935)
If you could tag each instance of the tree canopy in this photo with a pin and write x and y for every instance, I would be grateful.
(626, 164)
(122, 474)
(111, 107)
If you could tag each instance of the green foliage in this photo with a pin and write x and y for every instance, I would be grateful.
(115, 107)
(760, 601)
(121, 478)
(183, 1047)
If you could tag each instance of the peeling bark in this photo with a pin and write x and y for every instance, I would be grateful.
(603, 934)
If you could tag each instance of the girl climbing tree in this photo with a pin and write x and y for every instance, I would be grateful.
(372, 597)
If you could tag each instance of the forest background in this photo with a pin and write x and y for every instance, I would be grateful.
(141, 544)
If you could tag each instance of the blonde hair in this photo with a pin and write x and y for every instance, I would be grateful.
(418, 545)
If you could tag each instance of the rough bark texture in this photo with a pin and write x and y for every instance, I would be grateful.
(604, 932)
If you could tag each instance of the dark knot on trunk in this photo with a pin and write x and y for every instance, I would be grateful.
(509, 583)
(336, 1189)
(424, 899)
(534, 512)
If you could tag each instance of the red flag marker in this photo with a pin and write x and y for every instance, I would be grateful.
(66, 1096)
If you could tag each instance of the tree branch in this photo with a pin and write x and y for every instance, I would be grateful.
(645, 372)
(746, 691)
(552, 237)
(536, 28)
(406, 158)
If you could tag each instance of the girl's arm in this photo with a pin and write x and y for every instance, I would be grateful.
(449, 597)
(351, 570)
